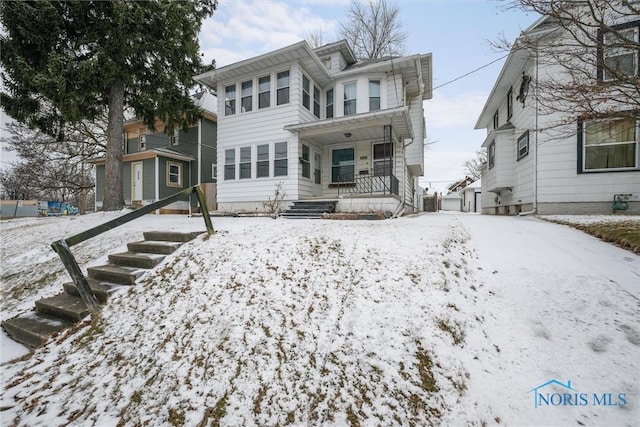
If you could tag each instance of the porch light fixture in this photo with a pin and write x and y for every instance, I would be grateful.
(347, 134)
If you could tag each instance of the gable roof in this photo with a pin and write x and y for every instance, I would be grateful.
(340, 46)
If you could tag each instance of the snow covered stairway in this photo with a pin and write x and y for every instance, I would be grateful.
(310, 209)
(61, 311)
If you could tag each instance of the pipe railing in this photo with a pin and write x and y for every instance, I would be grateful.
(62, 247)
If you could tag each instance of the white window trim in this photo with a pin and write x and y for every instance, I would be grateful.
(250, 162)
(522, 138)
(344, 101)
(355, 160)
(169, 174)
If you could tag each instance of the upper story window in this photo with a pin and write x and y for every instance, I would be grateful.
(374, 95)
(350, 91)
(491, 154)
(619, 53)
(230, 100)
(306, 95)
(509, 104)
(264, 92)
(610, 144)
(329, 103)
(523, 145)
(247, 96)
(496, 120)
(142, 142)
(175, 138)
(283, 88)
(316, 101)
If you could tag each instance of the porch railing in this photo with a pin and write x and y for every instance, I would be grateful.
(62, 247)
(371, 184)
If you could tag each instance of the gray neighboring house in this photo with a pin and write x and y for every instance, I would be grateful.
(157, 164)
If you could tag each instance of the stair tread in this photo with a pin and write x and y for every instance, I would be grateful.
(33, 328)
(65, 305)
(171, 236)
(101, 289)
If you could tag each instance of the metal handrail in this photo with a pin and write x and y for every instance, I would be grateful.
(370, 184)
(62, 247)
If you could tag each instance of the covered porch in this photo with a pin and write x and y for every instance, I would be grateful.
(354, 157)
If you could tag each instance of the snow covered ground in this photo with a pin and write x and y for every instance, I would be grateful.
(435, 319)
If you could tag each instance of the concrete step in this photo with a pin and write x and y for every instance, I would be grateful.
(33, 329)
(101, 290)
(134, 259)
(171, 236)
(151, 247)
(114, 274)
(64, 306)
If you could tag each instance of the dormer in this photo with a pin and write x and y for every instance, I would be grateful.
(336, 56)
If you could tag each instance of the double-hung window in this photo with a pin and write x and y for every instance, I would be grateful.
(509, 104)
(496, 120)
(282, 94)
(383, 159)
(229, 164)
(245, 163)
(306, 161)
(230, 100)
(247, 96)
(523, 145)
(316, 101)
(343, 165)
(350, 93)
(174, 174)
(609, 144)
(329, 103)
(619, 53)
(262, 161)
(280, 159)
(264, 92)
(374, 95)
(306, 95)
(491, 154)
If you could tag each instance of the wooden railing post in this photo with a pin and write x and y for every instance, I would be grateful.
(78, 278)
(205, 210)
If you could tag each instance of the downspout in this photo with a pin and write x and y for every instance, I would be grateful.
(535, 146)
(157, 161)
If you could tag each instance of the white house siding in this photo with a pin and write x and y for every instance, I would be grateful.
(394, 92)
(415, 151)
(362, 94)
(260, 126)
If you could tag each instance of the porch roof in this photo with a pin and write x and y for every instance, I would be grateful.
(359, 126)
(149, 154)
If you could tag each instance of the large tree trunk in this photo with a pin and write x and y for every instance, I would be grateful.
(113, 197)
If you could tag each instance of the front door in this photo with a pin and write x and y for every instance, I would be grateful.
(317, 174)
(136, 181)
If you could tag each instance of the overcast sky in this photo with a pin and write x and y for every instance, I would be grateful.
(456, 32)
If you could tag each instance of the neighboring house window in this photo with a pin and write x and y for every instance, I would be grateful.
(214, 171)
(306, 161)
(374, 95)
(283, 88)
(175, 138)
(230, 100)
(262, 162)
(245, 163)
(342, 165)
(174, 174)
(382, 159)
(329, 103)
(316, 101)
(280, 159)
(229, 164)
(491, 154)
(247, 96)
(523, 145)
(142, 142)
(306, 96)
(350, 98)
(609, 144)
(509, 104)
(496, 121)
(618, 52)
(264, 92)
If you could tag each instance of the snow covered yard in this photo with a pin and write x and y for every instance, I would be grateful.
(434, 319)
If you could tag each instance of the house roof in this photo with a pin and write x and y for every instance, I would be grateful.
(300, 51)
(512, 68)
(203, 99)
(340, 46)
(150, 154)
(507, 127)
(359, 126)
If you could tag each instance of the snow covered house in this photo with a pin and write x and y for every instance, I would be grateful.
(322, 125)
(562, 161)
(158, 164)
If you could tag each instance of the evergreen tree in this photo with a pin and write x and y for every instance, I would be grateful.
(68, 61)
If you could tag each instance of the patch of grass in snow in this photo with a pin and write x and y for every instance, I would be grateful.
(425, 366)
(452, 328)
(622, 233)
(176, 417)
